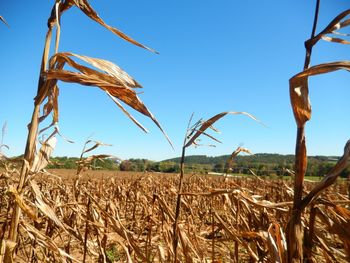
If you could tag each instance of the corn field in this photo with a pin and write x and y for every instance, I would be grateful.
(129, 218)
(88, 216)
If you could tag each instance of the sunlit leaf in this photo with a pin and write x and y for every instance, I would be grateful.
(109, 77)
(84, 6)
(211, 121)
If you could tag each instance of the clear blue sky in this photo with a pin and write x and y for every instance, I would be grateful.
(214, 56)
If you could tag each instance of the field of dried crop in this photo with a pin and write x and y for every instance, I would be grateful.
(97, 216)
(129, 217)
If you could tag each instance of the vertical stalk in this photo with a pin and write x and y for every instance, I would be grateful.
(86, 228)
(178, 203)
(28, 155)
(294, 228)
(309, 48)
(309, 235)
(212, 230)
(31, 142)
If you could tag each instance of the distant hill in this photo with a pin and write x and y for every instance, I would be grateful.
(260, 163)
(264, 158)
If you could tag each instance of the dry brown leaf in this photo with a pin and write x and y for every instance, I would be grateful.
(334, 25)
(114, 81)
(42, 159)
(51, 105)
(277, 241)
(84, 6)
(299, 95)
(30, 212)
(340, 228)
(45, 241)
(211, 121)
(96, 144)
(126, 112)
(330, 177)
(299, 92)
(335, 40)
(44, 207)
(111, 69)
(235, 153)
(161, 253)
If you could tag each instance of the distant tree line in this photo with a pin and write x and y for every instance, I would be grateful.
(71, 163)
(260, 164)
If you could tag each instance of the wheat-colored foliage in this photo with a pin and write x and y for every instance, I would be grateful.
(234, 154)
(109, 77)
(134, 214)
(223, 219)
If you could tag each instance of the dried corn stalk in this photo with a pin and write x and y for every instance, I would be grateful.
(107, 76)
(192, 134)
(299, 95)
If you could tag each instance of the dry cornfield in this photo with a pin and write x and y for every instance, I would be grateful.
(121, 217)
(153, 217)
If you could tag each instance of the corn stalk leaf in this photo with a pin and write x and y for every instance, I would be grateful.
(109, 77)
(97, 144)
(44, 207)
(299, 96)
(45, 241)
(331, 28)
(85, 7)
(234, 155)
(51, 105)
(19, 199)
(277, 242)
(207, 124)
(299, 91)
(330, 178)
(42, 159)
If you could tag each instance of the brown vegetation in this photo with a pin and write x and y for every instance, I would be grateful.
(129, 217)
(137, 217)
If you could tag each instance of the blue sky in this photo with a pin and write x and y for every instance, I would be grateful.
(214, 56)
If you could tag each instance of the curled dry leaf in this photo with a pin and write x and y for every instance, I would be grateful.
(336, 24)
(234, 155)
(299, 95)
(44, 207)
(207, 124)
(87, 9)
(109, 77)
(276, 242)
(51, 105)
(96, 144)
(42, 159)
(30, 212)
(299, 91)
